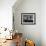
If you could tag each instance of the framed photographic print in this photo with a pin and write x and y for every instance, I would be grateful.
(28, 18)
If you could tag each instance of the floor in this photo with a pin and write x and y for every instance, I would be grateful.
(9, 43)
(13, 41)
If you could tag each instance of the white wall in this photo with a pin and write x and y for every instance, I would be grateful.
(43, 22)
(6, 13)
(30, 31)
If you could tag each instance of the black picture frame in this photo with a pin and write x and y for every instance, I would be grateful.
(28, 18)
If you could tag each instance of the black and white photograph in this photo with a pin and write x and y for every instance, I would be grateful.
(28, 18)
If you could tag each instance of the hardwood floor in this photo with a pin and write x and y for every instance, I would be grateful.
(9, 43)
(15, 41)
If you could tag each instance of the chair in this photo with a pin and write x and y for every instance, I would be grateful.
(18, 39)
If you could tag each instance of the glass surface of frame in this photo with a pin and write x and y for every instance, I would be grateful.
(28, 18)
